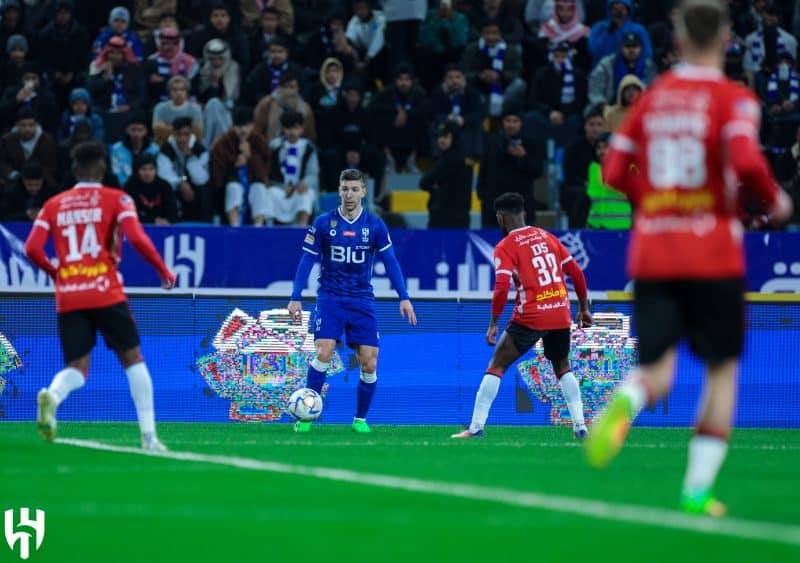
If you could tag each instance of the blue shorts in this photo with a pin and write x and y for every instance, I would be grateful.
(352, 317)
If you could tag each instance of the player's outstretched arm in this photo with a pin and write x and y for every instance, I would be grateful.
(502, 284)
(295, 305)
(133, 231)
(584, 318)
(396, 277)
(34, 247)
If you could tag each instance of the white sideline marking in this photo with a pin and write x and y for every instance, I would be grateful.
(628, 513)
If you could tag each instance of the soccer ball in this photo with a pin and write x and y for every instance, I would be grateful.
(305, 404)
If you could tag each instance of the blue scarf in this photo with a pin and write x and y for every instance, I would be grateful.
(794, 86)
(568, 79)
(118, 97)
(455, 104)
(621, 69)
(497, 54)
(758, 50)
(275, 77)
(290, 161)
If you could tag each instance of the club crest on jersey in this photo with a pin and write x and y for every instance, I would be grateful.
(365, 234)
(333, 222)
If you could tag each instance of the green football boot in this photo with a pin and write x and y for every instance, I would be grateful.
(360, 425)
(609, 432)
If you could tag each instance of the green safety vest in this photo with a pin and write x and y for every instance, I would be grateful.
(609, 209)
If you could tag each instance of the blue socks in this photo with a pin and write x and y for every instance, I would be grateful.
(366, 389)
(317, 371)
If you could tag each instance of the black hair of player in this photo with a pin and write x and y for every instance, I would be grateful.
(89, 161)
(352, 175)
(291, 119)
(510, 203)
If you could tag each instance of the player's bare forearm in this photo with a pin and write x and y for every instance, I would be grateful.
(295, 311)
(407, 311)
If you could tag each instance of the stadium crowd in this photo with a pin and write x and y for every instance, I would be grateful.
(244, 111)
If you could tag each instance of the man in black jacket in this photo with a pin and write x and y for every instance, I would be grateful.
(449, 182)
(30, 93)
(577, 157)
(458, 103)
(266, 75)
(511, 163)
(24, 198)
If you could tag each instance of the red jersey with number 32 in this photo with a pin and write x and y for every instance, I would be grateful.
(534, 258)
(84, 224)
(673, 157)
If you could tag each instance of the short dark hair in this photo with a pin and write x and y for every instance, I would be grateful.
(352, 175)
(26, 113)
(491, 22)
(593, 111)
(144, 159)
(509, 202)
(87, 158)
(453, 67)
(287, 77)
(242, 115)
(702, 20)
(280, 41)
(291, 118)
(270, 10)
(32, 170)
(181, 122)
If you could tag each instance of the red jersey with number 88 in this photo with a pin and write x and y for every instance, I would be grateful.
(84, 224)
(534, 259)
(681, 156)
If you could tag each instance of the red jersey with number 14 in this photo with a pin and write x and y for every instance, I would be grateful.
(534, 259)
(84, 224)
(687, 147)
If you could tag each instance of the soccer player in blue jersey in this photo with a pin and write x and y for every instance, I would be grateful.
(346, 241)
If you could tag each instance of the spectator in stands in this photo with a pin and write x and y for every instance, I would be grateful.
(253, 11)
(628, 92)
(330, 41)
(565, 27)
(511, 163)
(169, 60)
(326, 93)
(293, 173)
(403, 18)
(17, 49)
(239, 166)
(136, 142)
(501, 12)
(779, 91)
(24, 197)
(10, 23)
(286, 98)
(631, 59)
(539, 12)
(662, 35)
(766, 43)
(784, 168)
(167, 20)
(183, 164)
(366, 32)
(557, 98)
(609, 208)
(155, 200)
(148, 13)
(345, 140)
(27, 142)
(494, 69)
(267, 30)
(606, 36)
(442, 37)
(218, 87)
(265, 77)
(578, 156)
(63, 47)
(30, 93)
(792, 187)
(80, 107)
(449, 182)
(456, 102)
(400, 126)
(221, 25)
(119, 26)
(178, 105)
(81, 134)
(117, 85)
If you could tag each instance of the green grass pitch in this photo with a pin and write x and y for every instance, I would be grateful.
(104, 506)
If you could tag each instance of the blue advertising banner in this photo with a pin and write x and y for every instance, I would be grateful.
(435, 262)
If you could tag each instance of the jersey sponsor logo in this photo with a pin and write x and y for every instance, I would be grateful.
(99, 284)
(552, 294)
(79, 216)
(551, 306)
(309, 239)
(678, 200)
(349, 233)
(346, 255)
(699, 225)
(87, 270)
(365, 234)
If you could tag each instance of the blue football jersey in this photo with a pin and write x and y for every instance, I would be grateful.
(347, 251)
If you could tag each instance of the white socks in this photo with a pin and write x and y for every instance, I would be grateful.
(483, 401)
(706, 454)
(142, 392)
(636, 392)
(65, 382)
(572, 395)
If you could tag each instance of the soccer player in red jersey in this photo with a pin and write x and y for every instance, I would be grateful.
(536, 261)
(687, 156)
(85, 223)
